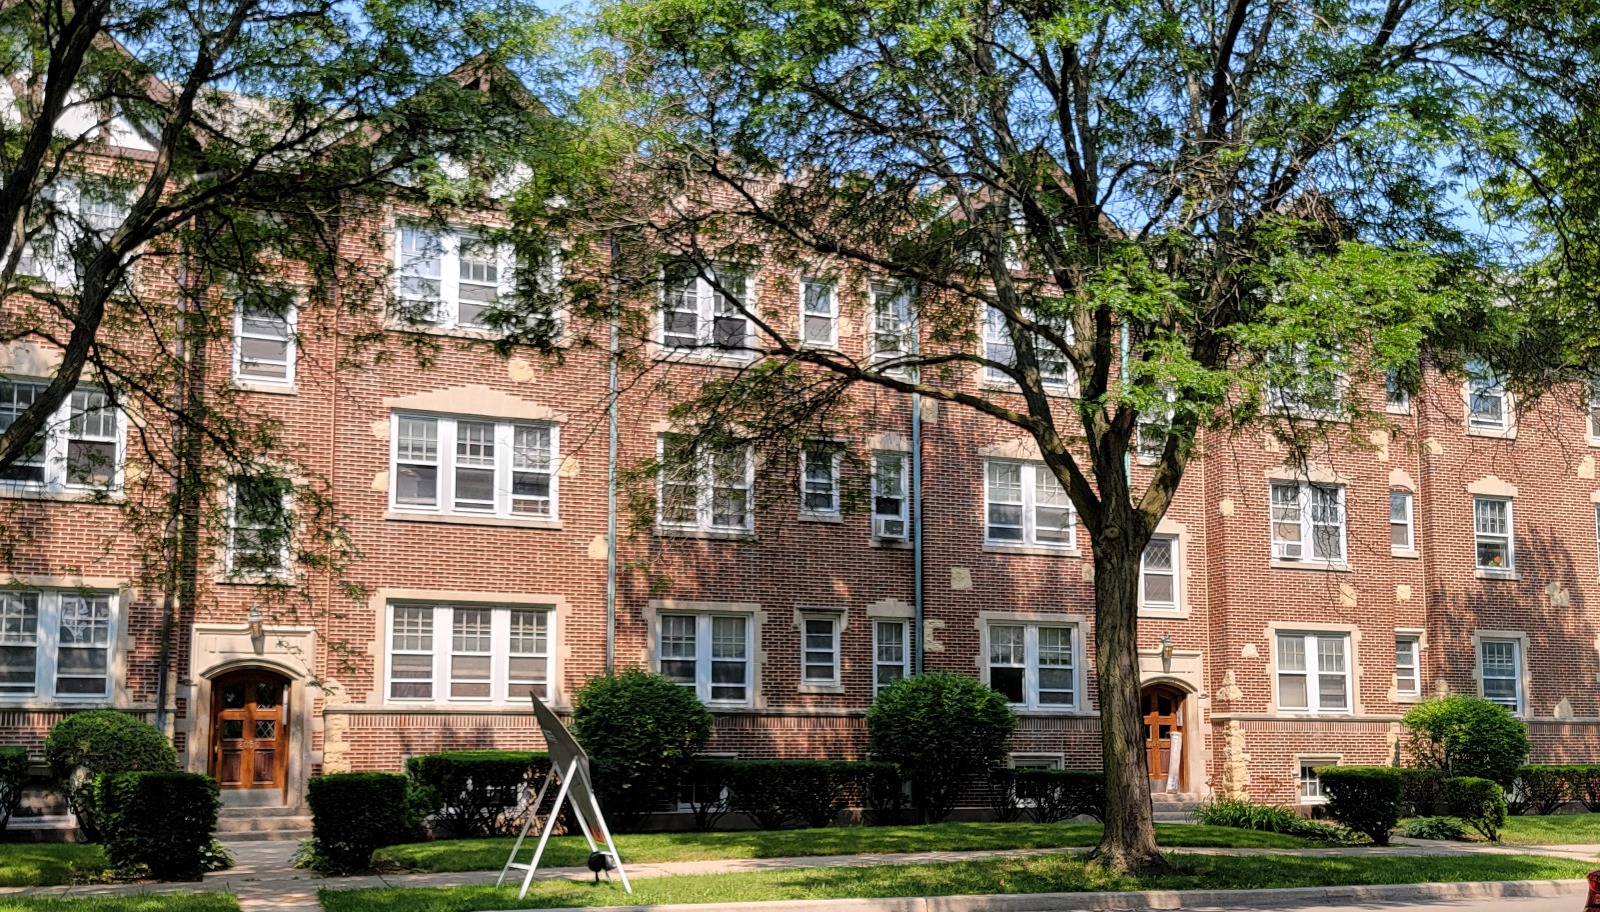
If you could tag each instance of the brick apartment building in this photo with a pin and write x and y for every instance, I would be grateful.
(1290, 615)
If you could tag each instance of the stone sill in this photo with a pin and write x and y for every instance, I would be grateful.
(1506, 433)
(702, 358)
(1315, 566)
(265, 387)
(1509, 576)
(833, 518)
(1164, 614)
(17, 491)
(458, 519)
(705, 534)
(1412, 554)
(824, 689)
(1031, 550)
(893, 544)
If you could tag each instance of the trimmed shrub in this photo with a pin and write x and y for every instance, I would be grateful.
(1003, 800)
(1467, 737)
(773, 793)
(1538, 790)
(13, 775)
(755, 791)
(1479, 803)
(1051, 795)
(1434, 828)
(1583, 784)
(1364, 798)
(475, 793)
(881, 791)
(944, 731)
(707, 793)
(159, 823)
(641, 732)
(1268, 818)
(86, 744)
(354, 814)
(1422, 791)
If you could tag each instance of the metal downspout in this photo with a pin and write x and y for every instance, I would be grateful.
(916, 508)
(611, 475)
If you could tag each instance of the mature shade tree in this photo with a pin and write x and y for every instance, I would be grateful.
(1207, 217)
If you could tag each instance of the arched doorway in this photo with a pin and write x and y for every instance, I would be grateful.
(1162, 708)
(250, 729)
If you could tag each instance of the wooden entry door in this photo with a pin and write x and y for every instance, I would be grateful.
(250, 730)
(1162, 707)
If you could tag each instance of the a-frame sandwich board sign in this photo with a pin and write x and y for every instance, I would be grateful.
(570, 766)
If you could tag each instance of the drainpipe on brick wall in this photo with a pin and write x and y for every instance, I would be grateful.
(916, 509)
(611, 475)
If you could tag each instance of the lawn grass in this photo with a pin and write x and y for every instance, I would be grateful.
(1038, 874)
(571, 851)
(1552, 829)
(145, 902)
(45, 864)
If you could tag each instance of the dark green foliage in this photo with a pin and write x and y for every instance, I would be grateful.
(944, 731)
(352, 814)
(1434, 828)
(1366, 799)
(1422, 791)
(881, 790)
(86, 744)
(160, 823)
(774, 793)
(1467, 736)
(1050, 796)
(1268, 818)
(1583, 784)
(641, 732)
(706, 789)
(1003, 801)
(475, 793)
(13, 775)
(1538, 790)
(1479, 803)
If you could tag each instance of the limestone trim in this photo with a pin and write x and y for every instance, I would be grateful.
(1492, 486)
(1352, 656)
(1317, 759)
(477, 401)
(888, 442)
(1509, 432)
(1524, 675)
(653, 610)
(1313, 472)
(29, 359)
(465, 519)
(1419, 634)
(122, 641)
(985, 618)
(1401, 479)
(1595, 497)
(1020, 448)
(891, 608)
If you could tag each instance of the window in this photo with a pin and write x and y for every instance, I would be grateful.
(819, 481)
(892, 324)
(697, 312)
(709, 653)
(819, 314)
(1034, 665)
(889, 496)
(55, 644)
(819, 661)
(891, 653)
(1300, 386)
(1500, 662)
(1310, 785)
(1491, 526)
(1313, 673)
(1402, 533)
(492, 654)
(66, 213)
(708, 492)
(1150, 431)
(1407, 667)
(484, 467)
(1396, 397)
(1305, 512)
(1486, 398)
(1594, 409)
(80, 446)
(999, 347)
(259, 525)
(449, 278)
(264, 340)
(1025, 505)
(1158, 573)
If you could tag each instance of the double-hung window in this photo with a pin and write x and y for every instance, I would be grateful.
(819, 481)
(1492, 534)
(1594, 410)
(819, 314)
(1308, 514)
(449, 278)
(709, 653)
(55, 644)
(705, 311)
(1407, 665)
(1034, 665)
(999, 346)
(264, 340)
(473, 466)
(889, 496)
(80, 446)
(1301, 386)
(468, 653)
(259, 526)
(893, 323)
(1158, 574)
(1311, 783)
(1402, 522)
(1025, 505)
(1396, 397)
(1500, 667)
(1488, 406)
(66, 214)
(819, 658)
(891, 653)
(702, 491)
(1151, 429)
(1314, 672)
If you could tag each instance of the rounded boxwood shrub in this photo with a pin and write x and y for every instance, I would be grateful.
(86, 744)
(13, 775)
(1423, 794)
(353, 815)
(641, 732)
(1479, 803)
(944, 731)
(160, 823)
(1467, 736)
(476, 792)
(1366, 799)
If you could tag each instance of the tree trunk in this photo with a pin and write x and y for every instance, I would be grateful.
(1129, 841)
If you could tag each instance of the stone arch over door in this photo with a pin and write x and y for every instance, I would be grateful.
(1183, 671)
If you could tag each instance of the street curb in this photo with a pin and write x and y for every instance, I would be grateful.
(1132, 901)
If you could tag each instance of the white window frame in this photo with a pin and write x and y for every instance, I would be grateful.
(505, 471)
(882, 520)
(241, 364)
(1518, 667)
(704, 657)
(1293, 400)
(1597, 529)
(442, 648)
(832, 649)
(807, 456)
(1483, 383)
(705, 486)
(285, 555)
(1481, 537)
(1146, 446)
(1032, 700)
(1000, 346)
(73, 216)
(58, 435)
(1593, 404)
(1031, 475)
(893, 313)
(1396, 398)
(1282, 516)
(46, 640)
(831, 314)
(1313, 672)
(1408, 655)
(707, 300)
(1301, 781)
(1175, 572)
(1409, 522)
(445, 311)
(879, 653)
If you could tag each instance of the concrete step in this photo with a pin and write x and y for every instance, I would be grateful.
(246, 813)
(268, 836)
(263, 826)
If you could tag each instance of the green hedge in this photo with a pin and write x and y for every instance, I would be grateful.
(708, 793)
(641, 732)
(160, 823)
(944, 731)
(1050, 795)
(1538, 790)
(880, 789)
(475, 793)
(779, 793)
(13, 775)
(1477, 802)
(1003, 800)
(354, 814)
(1422, 791)
(1366, 799)
(86, 744)
(1583, 784)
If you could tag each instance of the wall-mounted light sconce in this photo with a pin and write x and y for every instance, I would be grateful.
(1166, 652)
(253, 622)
